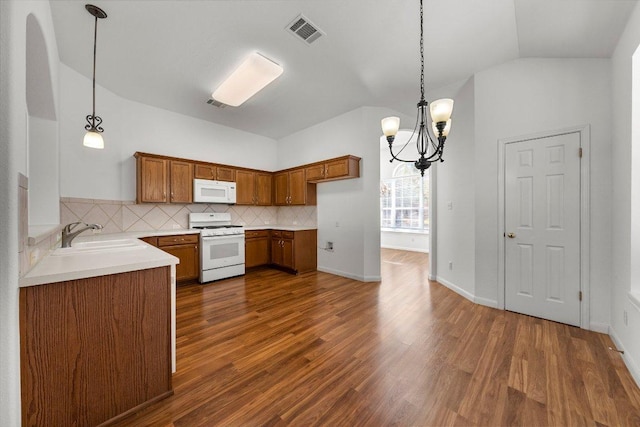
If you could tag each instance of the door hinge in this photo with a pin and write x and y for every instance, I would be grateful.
(580, 295)
(580, 152)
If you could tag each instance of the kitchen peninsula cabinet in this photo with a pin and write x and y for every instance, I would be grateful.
(291, 188)
(257, 248)
(253, 188)
(95, 350)
(294, 250)
(161, 180)
(345, 167)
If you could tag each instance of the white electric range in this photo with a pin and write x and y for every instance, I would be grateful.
(221, 245)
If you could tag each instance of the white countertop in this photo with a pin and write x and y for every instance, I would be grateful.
(93, 263)
(280, 227)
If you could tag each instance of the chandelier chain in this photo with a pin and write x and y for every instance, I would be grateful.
(421, 54)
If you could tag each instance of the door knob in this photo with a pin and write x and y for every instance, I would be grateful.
(511, 235)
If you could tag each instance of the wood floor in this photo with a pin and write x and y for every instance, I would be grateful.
(274, 349)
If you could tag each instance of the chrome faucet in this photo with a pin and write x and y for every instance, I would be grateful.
(68, 236)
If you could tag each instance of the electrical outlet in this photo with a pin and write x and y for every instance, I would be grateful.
(329, 246)
(97, 230)
(625, 318)
(450, 265)
(450, 206)
(337, 224)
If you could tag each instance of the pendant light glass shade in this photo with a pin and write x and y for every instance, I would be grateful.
(441, 109)
(390, 126)
(445, 131)
(93, 140)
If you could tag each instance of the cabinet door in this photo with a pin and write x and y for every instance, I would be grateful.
(245, 187)
(315, 172)
(297, 187)
(181, 182)
(276, 251)
(225, 174)
(264, 183)
(153, 180)
(189, 267)
(337, 168)
(287, 254)
(281, 188)
(205, 171)
(257, 252)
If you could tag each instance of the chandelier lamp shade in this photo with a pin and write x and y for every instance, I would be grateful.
(429, 148)
(93, 137)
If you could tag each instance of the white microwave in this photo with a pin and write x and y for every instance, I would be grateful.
(207, 191)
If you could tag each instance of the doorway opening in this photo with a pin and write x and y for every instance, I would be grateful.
(405, 202)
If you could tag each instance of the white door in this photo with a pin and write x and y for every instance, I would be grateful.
(542, 227)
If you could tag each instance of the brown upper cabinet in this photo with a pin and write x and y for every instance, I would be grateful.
(152, 180)
(161, 180)
(291, 188)
(181, 181)
(253, 188)
(345, 167)
(217, 173)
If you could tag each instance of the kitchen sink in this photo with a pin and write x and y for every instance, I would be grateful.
(100, 247)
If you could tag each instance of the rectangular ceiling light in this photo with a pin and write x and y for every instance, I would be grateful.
(248, 79)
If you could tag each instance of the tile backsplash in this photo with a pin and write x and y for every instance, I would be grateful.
(118, 216)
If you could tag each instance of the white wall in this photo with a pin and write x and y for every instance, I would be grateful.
(13, 160)
(129, 127)
(44, 185)
(625, 199)
(528, 96)
(348, 210)
(455, 189)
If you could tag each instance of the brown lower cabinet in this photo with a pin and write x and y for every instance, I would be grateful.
(257, 248)
(292, 250)
(185, 248)
(95, 350)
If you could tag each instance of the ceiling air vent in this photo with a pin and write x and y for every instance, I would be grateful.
(216, 103)
(304, 29)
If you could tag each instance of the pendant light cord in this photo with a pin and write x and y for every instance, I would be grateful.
(95, 37)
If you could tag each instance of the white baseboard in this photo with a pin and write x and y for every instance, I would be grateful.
(349, 275)
(402, 248)
(603, 328)
(631, 366)
(455, 288)
(486, 302)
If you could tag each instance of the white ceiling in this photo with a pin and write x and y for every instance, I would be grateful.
(173, 54)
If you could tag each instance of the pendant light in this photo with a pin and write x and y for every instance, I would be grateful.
(93, 137)
(430, 151)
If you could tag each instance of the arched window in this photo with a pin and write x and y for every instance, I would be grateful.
(404, 199)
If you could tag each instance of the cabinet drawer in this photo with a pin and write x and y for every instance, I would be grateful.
(287, 234)
(181, 239)
(256, 233)
(276, 233)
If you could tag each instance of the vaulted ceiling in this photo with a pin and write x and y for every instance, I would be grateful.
(173, 54)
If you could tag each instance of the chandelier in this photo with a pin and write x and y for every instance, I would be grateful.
(93, 137)
(430, 149)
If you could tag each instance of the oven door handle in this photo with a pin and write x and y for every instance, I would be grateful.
(223, 237)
